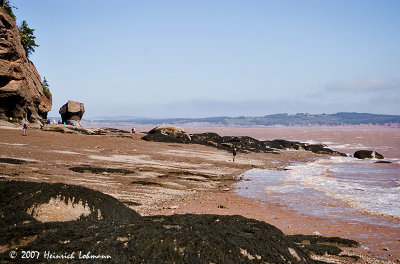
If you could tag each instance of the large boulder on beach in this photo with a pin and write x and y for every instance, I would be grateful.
(72, 112)
(167, 134)
(367, 154)
(21, 92)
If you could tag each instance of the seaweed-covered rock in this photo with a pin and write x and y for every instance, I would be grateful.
(120, 235)
(321, 149)
(367, 154)
(167, 134)
(212, 239)
(320, 245)
(19, 200)
(316, 148)
(242, 144)
(284, 144)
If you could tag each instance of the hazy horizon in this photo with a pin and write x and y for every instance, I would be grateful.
(207, 58)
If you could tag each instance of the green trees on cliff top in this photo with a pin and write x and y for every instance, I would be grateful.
(27, 38)
(25, 32)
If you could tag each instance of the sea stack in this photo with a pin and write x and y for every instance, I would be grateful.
(72, 112)
(21, 92)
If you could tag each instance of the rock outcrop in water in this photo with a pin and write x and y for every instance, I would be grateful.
(367, 154)
(119, 234)
(316, 148)
(21, 91)
(242, 144)
(72, 112)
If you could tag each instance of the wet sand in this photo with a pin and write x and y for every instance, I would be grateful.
(159, 172)
(376, 240)
(173, 178)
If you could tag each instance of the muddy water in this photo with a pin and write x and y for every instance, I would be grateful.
(344, 189)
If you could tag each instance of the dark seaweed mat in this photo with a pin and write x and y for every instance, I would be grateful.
(129, 238)
(146, 183)
(322, 245)
(12, 161)
(98, 170)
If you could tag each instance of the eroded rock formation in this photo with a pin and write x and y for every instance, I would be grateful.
(72, 112)
(21, 91)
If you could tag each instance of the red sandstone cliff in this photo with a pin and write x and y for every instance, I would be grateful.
(21, 91)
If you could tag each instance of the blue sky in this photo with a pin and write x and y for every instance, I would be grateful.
(218, 57)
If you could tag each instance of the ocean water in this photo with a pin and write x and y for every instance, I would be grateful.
(336, 187)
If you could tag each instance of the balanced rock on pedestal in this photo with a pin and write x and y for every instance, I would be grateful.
(72, 112)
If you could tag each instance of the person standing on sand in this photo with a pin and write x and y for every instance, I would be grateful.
(234, 154)
(25, 129)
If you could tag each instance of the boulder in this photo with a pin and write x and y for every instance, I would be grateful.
(367, 154)
(21, 91)
(72, 112)
(167, 134)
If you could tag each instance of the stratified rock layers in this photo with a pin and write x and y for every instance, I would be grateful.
(21, 91)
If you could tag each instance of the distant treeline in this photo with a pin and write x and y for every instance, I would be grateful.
(300, 119)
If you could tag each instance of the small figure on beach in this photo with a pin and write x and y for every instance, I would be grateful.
(234, 154)
(25, 129)
(133, 130)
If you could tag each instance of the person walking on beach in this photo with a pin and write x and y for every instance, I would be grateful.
(25, 129)
(234, 154)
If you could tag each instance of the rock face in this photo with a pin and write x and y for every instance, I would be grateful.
(72, 112)
(367, 154)
(21, 91)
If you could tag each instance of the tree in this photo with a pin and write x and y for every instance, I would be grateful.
(46, 89)
(27, 38)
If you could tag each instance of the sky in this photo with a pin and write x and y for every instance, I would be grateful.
(206, 58)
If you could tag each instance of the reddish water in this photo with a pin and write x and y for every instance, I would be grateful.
(384, 140)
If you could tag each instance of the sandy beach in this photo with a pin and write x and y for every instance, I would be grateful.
(164, 178)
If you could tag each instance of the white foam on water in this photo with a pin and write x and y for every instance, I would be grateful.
(349, 180)
(345, 146)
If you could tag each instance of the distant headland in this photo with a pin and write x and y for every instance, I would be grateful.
(299, 119)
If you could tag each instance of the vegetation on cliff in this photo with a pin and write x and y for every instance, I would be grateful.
(27, 38)
(5, 4)
(46, 89)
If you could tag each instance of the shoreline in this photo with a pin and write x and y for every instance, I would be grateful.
(380, 243)
(168, 178)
